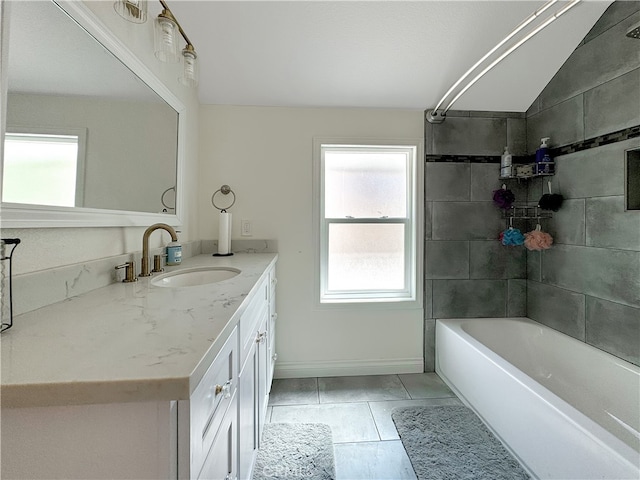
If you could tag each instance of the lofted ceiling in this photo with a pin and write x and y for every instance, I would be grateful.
(386, 54)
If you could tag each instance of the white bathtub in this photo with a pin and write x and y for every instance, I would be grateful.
(566, 410)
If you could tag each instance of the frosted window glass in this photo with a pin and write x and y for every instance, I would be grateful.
(366, 257)
(40, 169)
(365, 184)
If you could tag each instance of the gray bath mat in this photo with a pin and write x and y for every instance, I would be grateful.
(295, 451)
(451, 443)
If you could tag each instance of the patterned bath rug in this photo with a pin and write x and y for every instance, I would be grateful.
(451, 443)
(292, 451)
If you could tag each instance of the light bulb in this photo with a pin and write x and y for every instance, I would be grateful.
(190, 72)
(132, 10)
(166, 38)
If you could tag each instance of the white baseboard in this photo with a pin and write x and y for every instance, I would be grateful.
(343, 368)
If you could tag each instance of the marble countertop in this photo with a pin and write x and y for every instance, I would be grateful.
(127, 341)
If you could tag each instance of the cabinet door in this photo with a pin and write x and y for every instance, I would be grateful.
(254, 382)
(264, 366)
(272, 356)
(248, 413)
(222, 461)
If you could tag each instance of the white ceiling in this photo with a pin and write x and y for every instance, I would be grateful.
(389, 54)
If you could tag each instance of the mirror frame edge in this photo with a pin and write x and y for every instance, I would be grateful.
(43, 216)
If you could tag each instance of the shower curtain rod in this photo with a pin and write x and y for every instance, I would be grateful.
(434, 117)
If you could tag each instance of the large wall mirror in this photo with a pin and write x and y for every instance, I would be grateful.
(92, 137)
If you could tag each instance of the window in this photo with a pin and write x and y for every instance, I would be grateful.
(366, 210)
(43, 167)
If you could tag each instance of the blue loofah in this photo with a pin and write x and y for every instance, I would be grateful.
(512, 236)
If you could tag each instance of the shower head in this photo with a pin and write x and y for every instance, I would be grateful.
(634, 32)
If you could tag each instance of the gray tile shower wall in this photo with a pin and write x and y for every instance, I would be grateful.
(468, 273)
(605, 57)
(588, 284)
(595, 260)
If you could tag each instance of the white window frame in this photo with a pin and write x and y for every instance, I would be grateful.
(411, 296)
(80, 133)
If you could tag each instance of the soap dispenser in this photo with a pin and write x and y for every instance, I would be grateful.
(506, 164)
(541, 153)
(174, 253)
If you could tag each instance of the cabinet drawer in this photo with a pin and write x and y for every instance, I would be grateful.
(211, 399)
(249, 321)
(222, 460)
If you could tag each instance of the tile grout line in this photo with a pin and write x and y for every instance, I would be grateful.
(375, 424)
(405, 388)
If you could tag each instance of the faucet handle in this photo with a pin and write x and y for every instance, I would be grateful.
(129, 273)
(157, 263)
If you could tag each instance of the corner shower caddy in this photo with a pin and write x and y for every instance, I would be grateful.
(549, 166)
(526, 210)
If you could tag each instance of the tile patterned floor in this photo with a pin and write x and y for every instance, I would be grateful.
(358, 409)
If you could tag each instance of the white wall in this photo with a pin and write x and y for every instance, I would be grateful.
(265, 155)
(46, 248)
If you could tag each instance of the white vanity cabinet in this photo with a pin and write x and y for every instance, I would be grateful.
(230, 428)
(121, 404)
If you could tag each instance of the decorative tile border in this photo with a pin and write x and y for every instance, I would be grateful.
(464, 158)
(619, 136)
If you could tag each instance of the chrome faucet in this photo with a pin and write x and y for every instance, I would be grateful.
(145, 245)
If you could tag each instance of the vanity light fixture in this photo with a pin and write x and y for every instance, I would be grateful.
(166, 46)
(132, 10)
(166, 30)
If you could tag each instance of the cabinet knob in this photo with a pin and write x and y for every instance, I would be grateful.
(274, 316)
(274, 357)
(225, 389)
(262, 337)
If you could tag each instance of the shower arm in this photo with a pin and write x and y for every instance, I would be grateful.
(434, 117)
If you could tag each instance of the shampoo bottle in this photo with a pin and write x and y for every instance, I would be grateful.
(541, 152)
(174, 253)
(506, 166)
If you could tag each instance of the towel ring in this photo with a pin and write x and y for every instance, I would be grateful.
(162, 198)
(225, 190)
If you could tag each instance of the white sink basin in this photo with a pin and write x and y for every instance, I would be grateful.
(191, 277)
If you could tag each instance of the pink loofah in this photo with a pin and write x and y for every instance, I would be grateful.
(537, 240)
